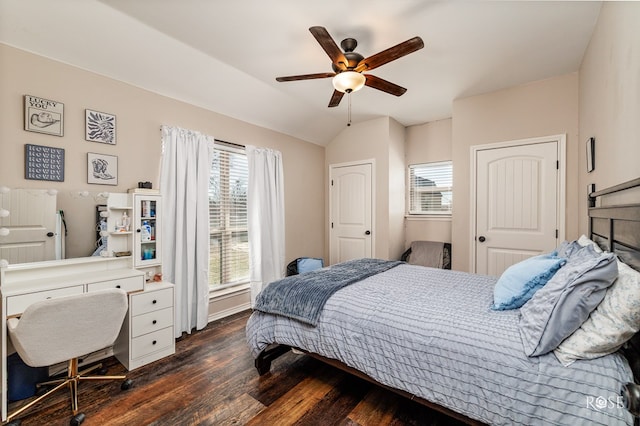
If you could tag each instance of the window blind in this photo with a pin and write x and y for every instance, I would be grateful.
(431, 188)
(229, 244)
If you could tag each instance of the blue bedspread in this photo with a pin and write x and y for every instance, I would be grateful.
(431, 333)
(303, 296)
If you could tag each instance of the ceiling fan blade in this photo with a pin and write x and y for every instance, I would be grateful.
(329, 45)
(335, 98)
(384, 85)
(306, 76)
(390, 54)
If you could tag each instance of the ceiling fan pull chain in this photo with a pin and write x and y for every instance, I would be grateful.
(349, 113)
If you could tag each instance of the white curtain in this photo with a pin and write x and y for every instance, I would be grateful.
(184, 185)
(265, 204)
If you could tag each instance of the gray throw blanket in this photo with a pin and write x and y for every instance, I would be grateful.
(302, 297)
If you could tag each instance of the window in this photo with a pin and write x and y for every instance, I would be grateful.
(229, 244)
(431, 188)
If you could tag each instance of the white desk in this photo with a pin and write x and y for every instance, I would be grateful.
(21, 285)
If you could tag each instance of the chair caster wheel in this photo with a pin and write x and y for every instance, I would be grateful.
(77, 419)
(127, 384)
(16, 422)
(103, 371)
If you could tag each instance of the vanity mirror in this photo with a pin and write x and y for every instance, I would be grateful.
(32, 227)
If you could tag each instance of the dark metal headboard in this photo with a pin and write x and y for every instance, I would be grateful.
(617, 228)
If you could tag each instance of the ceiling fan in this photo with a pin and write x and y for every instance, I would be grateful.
(348, 66)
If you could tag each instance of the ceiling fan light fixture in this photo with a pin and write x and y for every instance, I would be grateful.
(348, 81)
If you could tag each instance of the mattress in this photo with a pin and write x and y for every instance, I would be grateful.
(431, 332)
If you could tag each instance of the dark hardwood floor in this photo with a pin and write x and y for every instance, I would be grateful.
(211, 381)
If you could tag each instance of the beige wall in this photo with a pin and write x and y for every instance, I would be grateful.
(541, 108)
(610, 100)
(428, 143)
(397, 191)
(382, 140)
(139, 116)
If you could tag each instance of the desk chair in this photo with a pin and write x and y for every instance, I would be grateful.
(64, 329)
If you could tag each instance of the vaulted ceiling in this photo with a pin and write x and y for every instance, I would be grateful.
(225, 55)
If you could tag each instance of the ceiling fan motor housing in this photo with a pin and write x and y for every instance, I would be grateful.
(353, 58)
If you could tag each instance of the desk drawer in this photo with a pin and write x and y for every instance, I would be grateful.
(127, 284)
(152, 342)
(18, 303)
(152, 321)
(151, 301)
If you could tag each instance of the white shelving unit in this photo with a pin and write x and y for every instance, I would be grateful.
(148, 333)
(151, 314)
(119, 219)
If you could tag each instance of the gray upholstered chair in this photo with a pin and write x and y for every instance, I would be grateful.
(64, 329)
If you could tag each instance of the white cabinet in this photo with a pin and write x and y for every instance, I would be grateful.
(148, 333)
(133, 225)
(146, 225)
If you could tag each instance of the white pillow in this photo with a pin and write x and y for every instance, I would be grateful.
(610, 325)
(585, 241)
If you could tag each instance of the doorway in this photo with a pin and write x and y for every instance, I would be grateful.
(519, 191)
(351, 233)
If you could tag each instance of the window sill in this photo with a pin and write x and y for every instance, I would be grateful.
(225, 291)
(444, 218)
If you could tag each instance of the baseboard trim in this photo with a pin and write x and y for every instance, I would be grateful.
(228, 312)
(231, 310)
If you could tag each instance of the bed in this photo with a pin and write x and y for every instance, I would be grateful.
(431, 335)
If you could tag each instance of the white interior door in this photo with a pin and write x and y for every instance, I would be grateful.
(31, 224)
(351, 233)
(517, 204)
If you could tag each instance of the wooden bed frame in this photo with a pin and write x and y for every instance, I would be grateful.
(614, 228)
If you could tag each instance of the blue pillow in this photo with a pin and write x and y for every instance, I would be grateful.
(307, 264)
(520, 281)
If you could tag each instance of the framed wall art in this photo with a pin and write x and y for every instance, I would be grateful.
(102, 169)
(591, 161)
(43, 115)
(100, 127)
(43, 163)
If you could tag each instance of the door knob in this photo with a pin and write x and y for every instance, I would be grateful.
(367, 232)
(482, 239)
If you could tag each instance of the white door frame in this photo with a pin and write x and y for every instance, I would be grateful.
(561, 140)
(372, 162)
